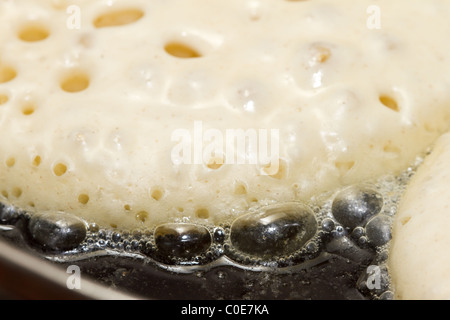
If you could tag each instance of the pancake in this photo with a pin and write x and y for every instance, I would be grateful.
(418, 259)
(136, 114)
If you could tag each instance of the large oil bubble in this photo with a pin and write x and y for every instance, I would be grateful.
(57, 231)
(182, 239)
(275, 230)
(355, 205)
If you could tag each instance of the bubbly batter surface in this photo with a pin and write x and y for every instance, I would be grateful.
(93, 93)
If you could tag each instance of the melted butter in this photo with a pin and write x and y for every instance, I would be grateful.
(313, 70)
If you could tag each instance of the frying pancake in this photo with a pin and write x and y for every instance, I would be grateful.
(133, 113)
